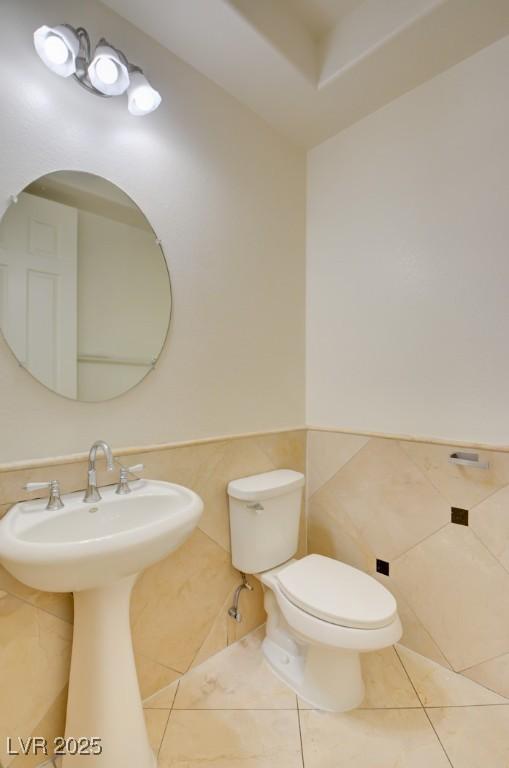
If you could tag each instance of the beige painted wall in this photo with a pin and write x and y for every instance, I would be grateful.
(225, 194)
(407, 268)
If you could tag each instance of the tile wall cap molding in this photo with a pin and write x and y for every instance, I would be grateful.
(413, 438)
(77, 458)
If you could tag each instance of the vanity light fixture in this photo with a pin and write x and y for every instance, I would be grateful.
(107, 72)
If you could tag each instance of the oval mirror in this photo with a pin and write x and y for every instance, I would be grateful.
(85, 297)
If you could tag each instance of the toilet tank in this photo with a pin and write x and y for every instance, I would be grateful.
(264, 519)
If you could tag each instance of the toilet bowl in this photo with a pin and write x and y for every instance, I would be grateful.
(321, 613)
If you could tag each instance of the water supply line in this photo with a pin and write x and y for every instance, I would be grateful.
(234, 610)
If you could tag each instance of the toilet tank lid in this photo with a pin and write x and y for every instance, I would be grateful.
(268, 485)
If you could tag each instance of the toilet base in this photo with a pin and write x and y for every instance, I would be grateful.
(329, 679)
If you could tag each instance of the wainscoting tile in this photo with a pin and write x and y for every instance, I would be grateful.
(35, 652)
(236, 678)
(439, 687)
(474, 737)
(454, 586)
(388, 499)
(490, 522)
(327, 453)
(331, 531)
(217, 638)
(58, 603)
(49, 727)
(415, 635)
(369, 738)
(251, 609)
(176, 601)
(460, 486)
(286, 450)
(152, 677)
(494, 674)
(229, 739)
(162, 699)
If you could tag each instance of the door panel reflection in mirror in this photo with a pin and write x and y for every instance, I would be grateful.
(85, 298)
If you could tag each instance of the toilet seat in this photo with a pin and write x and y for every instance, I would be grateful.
(335, 592)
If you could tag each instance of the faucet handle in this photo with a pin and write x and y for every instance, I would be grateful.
(54, 502)
(123, 483)
(134, 469)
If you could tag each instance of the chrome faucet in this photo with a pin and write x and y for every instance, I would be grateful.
(92, 492)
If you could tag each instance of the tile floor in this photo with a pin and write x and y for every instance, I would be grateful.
(231, 712)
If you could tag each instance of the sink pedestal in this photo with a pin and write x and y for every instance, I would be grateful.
(104, 695)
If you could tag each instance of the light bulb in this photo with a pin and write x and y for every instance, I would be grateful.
(55, 49)
(58, 48)
(141, 97)
(145, 98)
(106, 70)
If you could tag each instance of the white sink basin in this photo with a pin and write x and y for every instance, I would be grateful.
(85, 546)
(96, 551)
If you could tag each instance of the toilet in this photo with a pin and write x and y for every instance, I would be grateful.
(321, 613)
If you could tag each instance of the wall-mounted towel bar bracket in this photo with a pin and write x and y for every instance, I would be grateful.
(468, 460)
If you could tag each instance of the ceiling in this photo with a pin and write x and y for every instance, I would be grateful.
(311, 68)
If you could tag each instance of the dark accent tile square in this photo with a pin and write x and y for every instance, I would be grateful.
(459, 516)
(382, 566)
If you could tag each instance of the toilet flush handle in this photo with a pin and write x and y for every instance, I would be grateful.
(255, 506)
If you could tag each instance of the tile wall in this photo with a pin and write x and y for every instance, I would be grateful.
(179, 606)
(388, 499)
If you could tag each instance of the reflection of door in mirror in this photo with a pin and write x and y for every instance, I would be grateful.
(85, 296)
(38, 289)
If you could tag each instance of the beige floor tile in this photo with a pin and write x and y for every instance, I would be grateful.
(390, 738)
(490, 522)
(454, 585)
(439, 687)
(229, 739)
(389, 500)
(474, 737)
(387, 684)
(156, 720)
(162, 699)
(236, 678)
(327, 453)
(493, 674)
(460, 486)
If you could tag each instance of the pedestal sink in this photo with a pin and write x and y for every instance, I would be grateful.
(97, 551)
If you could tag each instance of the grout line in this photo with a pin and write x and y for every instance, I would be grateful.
(340, 469)
(424, 709)
(168, 720)
(421, 541)
(497, 560)
(467, 706)
(38, 607)
(408, 676)
(234, 709)
(300, 731)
